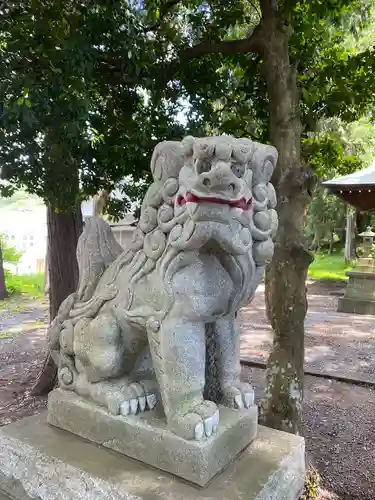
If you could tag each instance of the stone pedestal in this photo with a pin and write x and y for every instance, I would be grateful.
(145, 437)
(360, 292)
(38, 461)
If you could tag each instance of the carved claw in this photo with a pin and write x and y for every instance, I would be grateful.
(239, 396)
(199, 431)
(238, 401)
(140, 397)
(133, 406)
(249, 399)
(208, 425)
(215, 422)
(125, 408)
(113, 405)
(142, 403)
(197, 422)
(123, 397)
(151, 401)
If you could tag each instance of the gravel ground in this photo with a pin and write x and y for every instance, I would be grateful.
(335, 343)
(338, 425)
(339, 418)
(22, 342)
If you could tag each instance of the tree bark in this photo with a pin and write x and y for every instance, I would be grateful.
(349, 252)
(286, 275)
(331, 242)
(46, 270)
(63, 233)
(3, 289)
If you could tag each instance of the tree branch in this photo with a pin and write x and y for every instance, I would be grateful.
(253, 43)
(268, 7)
(254, 6)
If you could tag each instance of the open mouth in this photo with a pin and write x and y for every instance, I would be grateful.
(193, 198)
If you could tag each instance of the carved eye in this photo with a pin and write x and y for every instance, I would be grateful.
(238, 169)
(203, 165)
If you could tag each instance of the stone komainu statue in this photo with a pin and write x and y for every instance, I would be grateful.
(159, 320)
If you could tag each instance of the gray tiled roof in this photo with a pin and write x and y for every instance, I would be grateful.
(364, 177)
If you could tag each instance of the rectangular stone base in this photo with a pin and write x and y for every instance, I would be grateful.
(38, 461)
(145, 437)
(356, 306)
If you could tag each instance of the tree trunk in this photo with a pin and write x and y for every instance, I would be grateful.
(286, 275)
(331, 242)
(63, 233)
(46, 270)
(349, 252)
(3, 289)
(316, 241)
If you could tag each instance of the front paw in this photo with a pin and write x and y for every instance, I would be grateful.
(200, 420)
(239, 395)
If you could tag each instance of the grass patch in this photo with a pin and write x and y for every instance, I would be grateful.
(329, 267)
(312, 485)
(31, 285)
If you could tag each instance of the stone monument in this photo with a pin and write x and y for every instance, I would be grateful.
(148, 347)
(359, 295)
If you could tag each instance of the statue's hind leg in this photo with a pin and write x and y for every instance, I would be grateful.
(105, 356)
(98, 348)
(143, 374)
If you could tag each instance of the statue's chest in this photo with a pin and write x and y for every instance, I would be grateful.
(205, 287)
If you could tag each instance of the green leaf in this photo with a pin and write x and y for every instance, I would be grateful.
(54, 69)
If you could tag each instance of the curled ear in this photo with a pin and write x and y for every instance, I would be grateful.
(263, 163)
(167, 160)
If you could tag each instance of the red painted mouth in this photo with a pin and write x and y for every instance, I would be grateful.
(192, 198)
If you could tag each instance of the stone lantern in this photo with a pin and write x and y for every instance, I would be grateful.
(368, 240)
(360, 293)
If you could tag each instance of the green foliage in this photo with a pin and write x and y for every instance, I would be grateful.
(19, 200)
(329, 267)
(31, 285)
(335, 77)
(336, 149)
(28, 284)
(82, 106)
(312, 485)
(325, 218)
(332, 48)
(89, 89)
(325, 153)
(85, 102)
(10, 254)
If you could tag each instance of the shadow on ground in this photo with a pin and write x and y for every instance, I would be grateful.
(339, 419)
(336, 343)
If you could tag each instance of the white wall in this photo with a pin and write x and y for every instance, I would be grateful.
(26, 230)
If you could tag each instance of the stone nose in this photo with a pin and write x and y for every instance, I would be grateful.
(220, 181)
